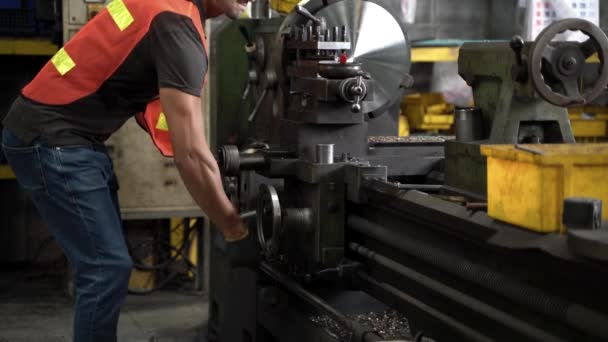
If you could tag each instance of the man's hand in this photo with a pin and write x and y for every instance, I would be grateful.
(235, 233)
(244, 252)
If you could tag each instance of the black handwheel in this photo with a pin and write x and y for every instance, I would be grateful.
(556, 69)
(269, 220)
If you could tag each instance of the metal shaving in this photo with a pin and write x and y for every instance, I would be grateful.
(332, 327)
(413, 139)
(390, 325)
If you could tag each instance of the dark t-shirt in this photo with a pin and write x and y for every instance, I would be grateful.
(170, 55)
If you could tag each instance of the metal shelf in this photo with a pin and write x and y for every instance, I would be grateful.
(433, 54)
(27, 46)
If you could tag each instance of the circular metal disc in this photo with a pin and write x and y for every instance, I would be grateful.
(268, 219)
(596, 37)
(379, 42)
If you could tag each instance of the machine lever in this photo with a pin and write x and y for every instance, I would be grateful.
(358, 91)
(248, 214)
(306, 14)
(258, 105)
(517, 44)
(519, 71)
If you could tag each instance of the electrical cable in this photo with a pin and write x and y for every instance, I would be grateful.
(178, 255)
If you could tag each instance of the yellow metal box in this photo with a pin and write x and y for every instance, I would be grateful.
(527, 185)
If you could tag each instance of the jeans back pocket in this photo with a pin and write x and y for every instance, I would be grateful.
(25, 162)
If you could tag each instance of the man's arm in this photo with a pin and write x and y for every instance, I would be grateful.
(196, 163)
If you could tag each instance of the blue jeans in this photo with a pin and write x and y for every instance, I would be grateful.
(74, 189)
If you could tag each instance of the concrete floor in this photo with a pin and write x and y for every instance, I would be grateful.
(36, 310)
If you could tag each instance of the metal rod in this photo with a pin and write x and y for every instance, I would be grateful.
(453, 294)
(319, 303)
(251, 161)
(587, 320)
(306, 14)
(419, 186)
(476, 205)
(248, 214)
(257, 105)
(454, 324)
(200, 250)
(529, 149)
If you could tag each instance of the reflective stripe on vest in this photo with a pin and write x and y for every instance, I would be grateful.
(155, 122)
(161, 123)
(120, 13)
(63, 62)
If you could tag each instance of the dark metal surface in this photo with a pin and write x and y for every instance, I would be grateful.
(514, 290)
(592, 244)
(462, 298)
(331, 69)
(468, 124)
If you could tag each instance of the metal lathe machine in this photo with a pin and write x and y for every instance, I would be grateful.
(492, 235)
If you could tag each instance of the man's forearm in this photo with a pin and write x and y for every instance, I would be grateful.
(201, 176)
(196, 163)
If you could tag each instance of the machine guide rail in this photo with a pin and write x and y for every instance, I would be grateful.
(390, 223)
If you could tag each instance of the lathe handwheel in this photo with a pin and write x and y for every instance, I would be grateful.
(564, 63)
(269, 220)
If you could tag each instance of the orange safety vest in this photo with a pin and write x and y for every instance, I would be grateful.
(86, 61)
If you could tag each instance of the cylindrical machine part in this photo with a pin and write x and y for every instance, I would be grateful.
(261, 9)
(298, 219)
(325, 153)
(251, 161)
(232, 161)
(468, 124)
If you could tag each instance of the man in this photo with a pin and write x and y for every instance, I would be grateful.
(132, 54)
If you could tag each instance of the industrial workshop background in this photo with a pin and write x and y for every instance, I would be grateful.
(368, 179)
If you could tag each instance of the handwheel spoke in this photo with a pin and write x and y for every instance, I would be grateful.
(548, 53)
(572, 90)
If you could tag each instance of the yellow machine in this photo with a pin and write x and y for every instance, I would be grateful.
(428, 112)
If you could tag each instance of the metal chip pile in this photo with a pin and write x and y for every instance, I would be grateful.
(332, 327)
(390, 325)
(410, 139)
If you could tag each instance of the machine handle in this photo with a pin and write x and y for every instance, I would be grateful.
(258, 105)
(249, 214)
(306, 14)
(358, 91)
